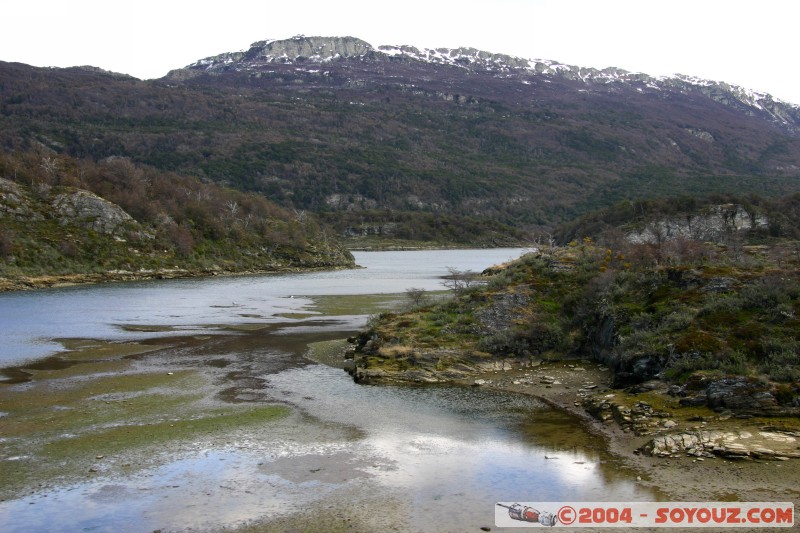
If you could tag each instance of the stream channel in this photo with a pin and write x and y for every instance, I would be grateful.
(219, 404)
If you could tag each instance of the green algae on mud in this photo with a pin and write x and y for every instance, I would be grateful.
(145, 328)
(81, 357)
(356, 304)
(118, 439)
(330, 353)
(57, 423)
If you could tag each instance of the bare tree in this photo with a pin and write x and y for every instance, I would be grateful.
(416, 295)
(459, 280)
(51, 168)
(233, 208)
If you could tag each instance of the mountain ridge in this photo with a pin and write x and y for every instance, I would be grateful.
(314, 49)
(380, 140)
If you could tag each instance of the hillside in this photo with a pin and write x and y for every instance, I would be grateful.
(684, 333)
(732, 219)
(63, 220)
(336, 126)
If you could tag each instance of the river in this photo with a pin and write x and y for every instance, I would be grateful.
(197, 405)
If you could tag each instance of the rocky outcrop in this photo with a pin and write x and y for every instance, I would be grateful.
(374, 362)
(15, 202)
(740, 394)
(764, 443)
(297, 48)
(716, 224)
(640, 418)
(76, 206)
(388, 229)
(90, 211)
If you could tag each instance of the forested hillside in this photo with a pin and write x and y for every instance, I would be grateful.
(113, 219)
(706, 323)
(381, 138)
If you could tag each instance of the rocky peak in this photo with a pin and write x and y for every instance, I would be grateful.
(314, 48)
(297, 48)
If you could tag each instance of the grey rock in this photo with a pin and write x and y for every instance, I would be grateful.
(90, 211)
(740, 394)
(714, 224)
(731, 444)
(15, 202)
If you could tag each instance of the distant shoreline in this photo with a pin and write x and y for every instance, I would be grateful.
(31, 283)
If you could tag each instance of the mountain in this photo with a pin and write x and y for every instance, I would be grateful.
(303, 50)
(377, 140)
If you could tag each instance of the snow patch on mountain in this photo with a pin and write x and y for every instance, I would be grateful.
(307, 51)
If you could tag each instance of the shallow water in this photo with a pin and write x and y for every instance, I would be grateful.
(451, 453)
(431, 458)
(29, 321)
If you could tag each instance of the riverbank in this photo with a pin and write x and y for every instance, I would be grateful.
(689, 474)
(24, 283)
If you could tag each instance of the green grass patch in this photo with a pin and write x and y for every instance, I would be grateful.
(358, 304)
(329, 353)
(118, 439)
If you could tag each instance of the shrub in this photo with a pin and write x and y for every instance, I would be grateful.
(505, 342)
(416, 296)
(182, 238)
(732, 363)
(782, 366)
(6, 244)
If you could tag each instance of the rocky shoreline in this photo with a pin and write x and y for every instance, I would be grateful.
(688, 453)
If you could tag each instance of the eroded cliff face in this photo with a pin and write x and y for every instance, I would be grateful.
(317, 48)
(716, 224)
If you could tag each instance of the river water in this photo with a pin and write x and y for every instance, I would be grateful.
(29, 321)
(348, 456)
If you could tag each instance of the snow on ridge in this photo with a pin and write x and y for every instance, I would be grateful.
(471, 58)
(749, 96)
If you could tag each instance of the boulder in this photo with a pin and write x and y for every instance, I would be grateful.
(90, 211)
(765, 443)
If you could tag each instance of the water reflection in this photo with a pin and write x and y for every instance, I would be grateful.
(443, 455)
(462, 447)
(452, 453)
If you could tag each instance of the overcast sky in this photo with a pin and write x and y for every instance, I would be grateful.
(745, 43)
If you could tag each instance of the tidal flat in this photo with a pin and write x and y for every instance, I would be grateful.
(108, 411)
(177, 412)
(260, 430)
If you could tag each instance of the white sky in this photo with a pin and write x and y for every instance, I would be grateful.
(744, 43)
